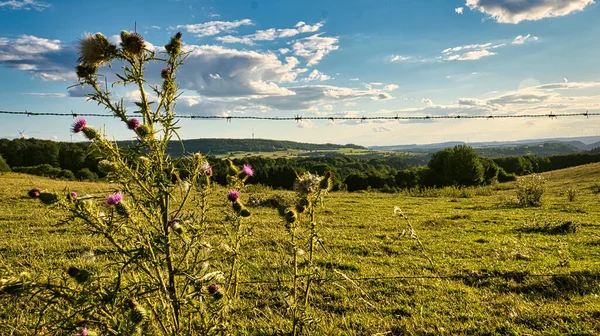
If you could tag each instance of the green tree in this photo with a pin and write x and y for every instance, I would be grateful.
(459, 166)
(3, 165)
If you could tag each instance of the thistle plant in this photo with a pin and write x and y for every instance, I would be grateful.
(310, 190)
(159, 279)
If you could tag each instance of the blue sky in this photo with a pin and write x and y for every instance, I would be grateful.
(322, 58)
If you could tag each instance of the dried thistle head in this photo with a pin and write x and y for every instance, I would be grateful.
(173, 48)
(307, 183)
(95, 50)
(132, 43)
(85, 71)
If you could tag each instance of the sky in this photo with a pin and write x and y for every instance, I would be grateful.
(322, 58)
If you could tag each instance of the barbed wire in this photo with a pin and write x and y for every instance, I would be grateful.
(299, 118)
(508, 275)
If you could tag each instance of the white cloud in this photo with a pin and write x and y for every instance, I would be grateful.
(398, 58)
(376, 84)
(46, 94)
(391, 87)
(25, 5)
(459, 10)
(155, 27)
(427, 101)
(284, 51)
(317, 75)
(214, 27)
(472, 55)
(46, 59)
(328, 107)
(515, 11)
(354, 79)
(380, 129)
(272, 34)
(523, 39)
(314, 48)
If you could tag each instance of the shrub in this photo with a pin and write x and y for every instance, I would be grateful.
(85, 174)
(503, 176)
(530, 190)
(66, 174)
(3, 165)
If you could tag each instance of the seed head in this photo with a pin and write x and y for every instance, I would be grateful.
(307, 183)
(91, 133)
(173, 48)
(95, 50)
(143, 131)
(84, 71)
(215, 291)
(132, 43)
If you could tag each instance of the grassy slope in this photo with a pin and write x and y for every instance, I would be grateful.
(475, 235)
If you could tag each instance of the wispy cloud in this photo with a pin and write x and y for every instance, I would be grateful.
(314, 48)
(46, 94)
(459, 10)
(272, 34)
(25, 5)
(505, 11)
(214, 27)
(523, 39)
(399, 58)
(316, 75)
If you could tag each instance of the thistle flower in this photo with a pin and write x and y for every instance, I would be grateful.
(85, 70)
(133, 124)
(215, 291)
(132, 43)
(176, 226)
(34, 193)
(78, 125)
(113, 199)
(173, 48)
(107, 167)
(91, 133)
(84, 332)
(143, 131)
(233, 195)
(72, 195)
(206, 169)
(95, 50)
(164, 73)
(247, 169)
(138, 313)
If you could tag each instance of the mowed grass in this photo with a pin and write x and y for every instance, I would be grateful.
(472, 236)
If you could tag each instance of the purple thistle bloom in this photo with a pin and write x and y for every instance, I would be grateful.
(213, 289)
(247, 169)
(113, 199)
(84, 332)
(164, 73)
(133, 124)
(73, 195)
(78, 125)
(233, 195)
(178, 35)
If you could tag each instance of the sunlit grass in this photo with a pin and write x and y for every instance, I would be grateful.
(483, 233)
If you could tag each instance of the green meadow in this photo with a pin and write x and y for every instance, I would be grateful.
(498, 269)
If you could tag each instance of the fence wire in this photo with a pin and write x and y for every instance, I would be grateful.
(299, 118)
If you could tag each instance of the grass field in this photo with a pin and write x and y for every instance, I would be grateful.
(469, 236)
(297, 153)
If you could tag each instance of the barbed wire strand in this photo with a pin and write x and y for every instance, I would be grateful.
(512, 275)
(299, 118)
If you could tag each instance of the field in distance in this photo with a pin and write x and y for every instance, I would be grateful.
(473, 233)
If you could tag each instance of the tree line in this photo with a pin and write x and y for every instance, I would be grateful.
(458, 166)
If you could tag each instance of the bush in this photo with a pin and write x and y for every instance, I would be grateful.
(503, 176)
(86, 174)
(530, 190)
(66, 174)
(3, 165)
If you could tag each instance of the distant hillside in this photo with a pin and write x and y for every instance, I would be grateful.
(582, 143)
(224, 146)
(544, 149)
